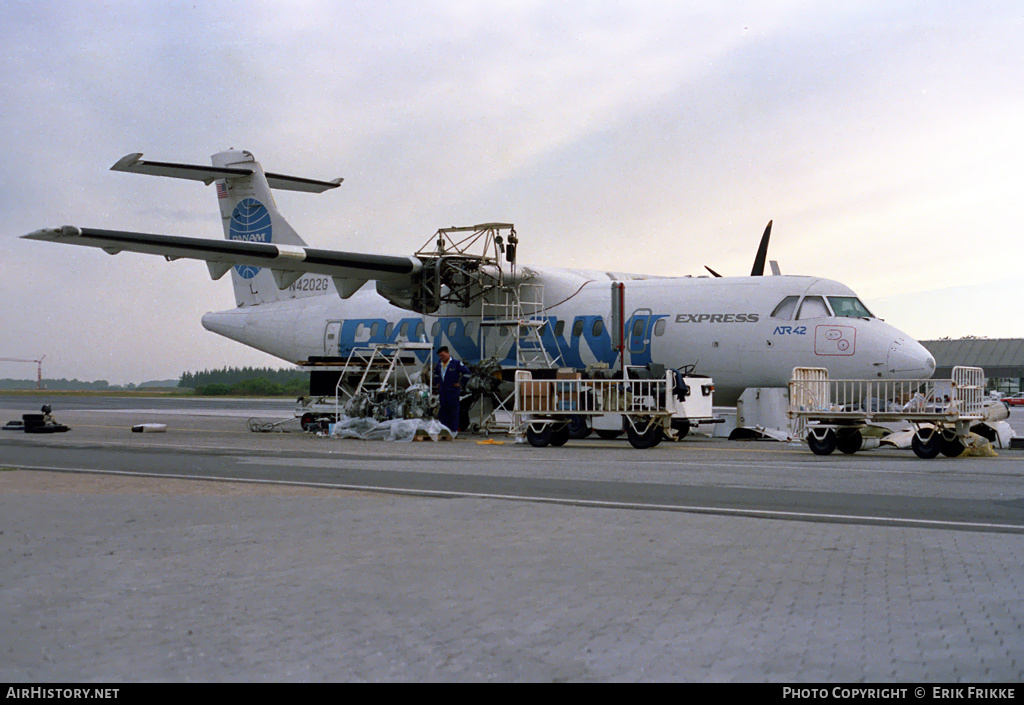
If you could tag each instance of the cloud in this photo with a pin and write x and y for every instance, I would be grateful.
(882, 138)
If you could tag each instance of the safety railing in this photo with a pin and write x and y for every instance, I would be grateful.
(812, 395)
(516, 319)
(590, 396)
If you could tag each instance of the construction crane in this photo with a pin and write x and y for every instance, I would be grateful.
(39, 368)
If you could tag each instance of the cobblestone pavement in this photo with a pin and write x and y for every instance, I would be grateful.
(123, 579)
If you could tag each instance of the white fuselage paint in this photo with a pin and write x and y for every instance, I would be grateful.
(721, 326)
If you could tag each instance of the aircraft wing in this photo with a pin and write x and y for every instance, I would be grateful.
(288, 262)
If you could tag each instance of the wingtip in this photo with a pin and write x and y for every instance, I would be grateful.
(126, 162)
(53, 233)
(42, 234)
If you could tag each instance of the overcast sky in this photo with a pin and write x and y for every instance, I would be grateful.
(885, 139)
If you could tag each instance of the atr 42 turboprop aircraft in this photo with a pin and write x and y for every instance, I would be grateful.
(302, 304)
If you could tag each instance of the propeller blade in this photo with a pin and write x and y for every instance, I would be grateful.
(712, 271)
(762, 253)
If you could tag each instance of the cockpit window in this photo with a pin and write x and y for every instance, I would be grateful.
(784, 311)
(812, 307)
(849, 307)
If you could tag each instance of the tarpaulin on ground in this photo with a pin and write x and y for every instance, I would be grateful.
(394, 430)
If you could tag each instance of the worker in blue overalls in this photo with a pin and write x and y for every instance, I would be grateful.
(448, 375)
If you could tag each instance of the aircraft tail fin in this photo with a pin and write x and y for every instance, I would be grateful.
(248, 213)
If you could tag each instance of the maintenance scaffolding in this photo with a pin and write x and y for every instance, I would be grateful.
(380, 380)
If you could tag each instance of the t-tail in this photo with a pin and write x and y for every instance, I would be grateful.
(249, 214)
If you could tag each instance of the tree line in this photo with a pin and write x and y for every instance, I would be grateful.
(61, 385)
(246, 381)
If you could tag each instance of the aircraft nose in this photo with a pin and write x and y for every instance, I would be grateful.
(908, 358)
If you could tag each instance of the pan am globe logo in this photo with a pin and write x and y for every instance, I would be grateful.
(250, 222)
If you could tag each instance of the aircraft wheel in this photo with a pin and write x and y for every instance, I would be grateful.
(578, 427)
(560, 435)
(538, 439)
(607, 435)
(926, 443)
(648, 439)
(950, 444)
(823, 445)
(850, 442)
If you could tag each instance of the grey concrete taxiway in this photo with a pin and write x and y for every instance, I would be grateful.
(212, 553)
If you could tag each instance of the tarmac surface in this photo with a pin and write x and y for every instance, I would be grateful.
(210, 553)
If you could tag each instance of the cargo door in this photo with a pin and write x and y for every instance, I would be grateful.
(638, 336)
(331, 343)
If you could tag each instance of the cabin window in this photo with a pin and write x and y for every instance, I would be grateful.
(374, 329)
(451, 329)
(813, 307)
(389, 329)
(420, 330)
(559, 328)
(598, 328)
(638, 328)
(404, 330)
(577, 328)
(435, 329)
(784, 311)
(659, 327)
(849, 307)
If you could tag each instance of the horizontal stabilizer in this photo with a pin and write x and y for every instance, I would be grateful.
(289, 259)
(134, 163)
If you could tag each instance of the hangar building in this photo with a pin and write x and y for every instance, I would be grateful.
(1001, 358)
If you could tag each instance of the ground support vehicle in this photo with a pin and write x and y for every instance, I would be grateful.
(39, 423)
(651, 409)
(833, 412)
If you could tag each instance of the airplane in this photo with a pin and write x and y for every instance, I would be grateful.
(306, 305)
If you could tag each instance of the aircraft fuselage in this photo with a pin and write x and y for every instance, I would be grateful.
(724, 327)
